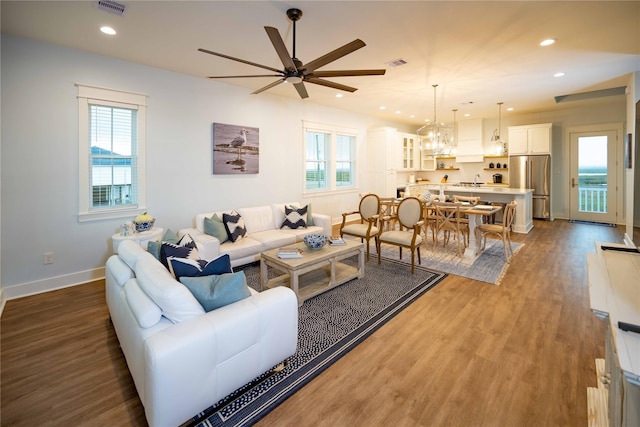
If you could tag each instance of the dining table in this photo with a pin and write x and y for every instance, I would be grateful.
(475, 213)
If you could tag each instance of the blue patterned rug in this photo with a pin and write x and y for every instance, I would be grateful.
(330, 325)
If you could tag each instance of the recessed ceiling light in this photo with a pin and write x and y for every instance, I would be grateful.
(108, 30)
(398, 111)
(467, 115)
(382, 107)
(547, 42)
(412, 116)
(338, 95)
(559, 74)
(510, 109)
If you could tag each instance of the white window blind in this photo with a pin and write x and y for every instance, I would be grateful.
(111, 153)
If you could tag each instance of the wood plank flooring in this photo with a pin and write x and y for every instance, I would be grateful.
(465, 354)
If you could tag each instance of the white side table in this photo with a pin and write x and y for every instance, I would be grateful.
(142, 238)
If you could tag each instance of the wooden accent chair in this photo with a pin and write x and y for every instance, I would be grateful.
(449, 221)
(503, 230)
(409, 215)
(368, 227)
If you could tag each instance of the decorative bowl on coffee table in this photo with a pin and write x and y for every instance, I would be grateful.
(315, 241)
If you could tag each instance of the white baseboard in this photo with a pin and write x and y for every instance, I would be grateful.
(50, 284)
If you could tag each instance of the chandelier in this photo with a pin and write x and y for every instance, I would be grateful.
(501, 146)
(437, 136)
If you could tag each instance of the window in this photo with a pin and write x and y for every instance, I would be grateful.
(330, 158)
(111, 152)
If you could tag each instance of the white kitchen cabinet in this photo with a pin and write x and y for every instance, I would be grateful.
(530, 139)
(427, 160)
(410, 151)
(384, 158)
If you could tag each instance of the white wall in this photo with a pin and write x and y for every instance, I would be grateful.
(40, 161)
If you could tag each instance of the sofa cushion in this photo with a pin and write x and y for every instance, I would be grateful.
(270, 239)
(130, 252)
(294, 217)
(185, 248)
(234, 225)
(146, 312)
(258, 218)
(175, 300)
(216, 291)
(215, 227)
(153, 247)
(242, 248)
(180, 267)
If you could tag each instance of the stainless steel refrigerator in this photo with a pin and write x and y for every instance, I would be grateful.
(533, 172)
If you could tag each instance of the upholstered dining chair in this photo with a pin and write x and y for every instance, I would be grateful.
(409, 216)
(449, 221)
(368, 226)
(503, 230)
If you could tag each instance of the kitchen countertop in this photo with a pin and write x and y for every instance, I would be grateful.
(484, 188)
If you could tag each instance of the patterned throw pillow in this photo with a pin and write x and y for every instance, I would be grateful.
(185, 248)
(234, 224)
(294, 217)
(218, 290)
(215, 227)
(187, 267)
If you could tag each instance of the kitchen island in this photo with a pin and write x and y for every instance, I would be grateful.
(523, 221)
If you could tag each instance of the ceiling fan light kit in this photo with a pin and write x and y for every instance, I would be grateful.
(297, 73)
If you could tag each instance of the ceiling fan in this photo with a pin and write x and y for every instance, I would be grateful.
(295, 71)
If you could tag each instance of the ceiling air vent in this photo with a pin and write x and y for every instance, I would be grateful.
(111, 6)
(396, 62)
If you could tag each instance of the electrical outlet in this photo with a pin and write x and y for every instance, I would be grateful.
(48, 257)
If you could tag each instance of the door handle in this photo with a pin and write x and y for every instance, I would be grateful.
(573, 182)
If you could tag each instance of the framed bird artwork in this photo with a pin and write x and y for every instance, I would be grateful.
(236, 149)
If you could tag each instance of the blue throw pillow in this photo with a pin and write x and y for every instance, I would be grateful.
(217, 290)
(215, 227)
(153, 247)
(294, 217)
(234, 225)
(187, 267)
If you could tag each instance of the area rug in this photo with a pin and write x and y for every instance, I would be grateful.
(329, 326)
(489, 267)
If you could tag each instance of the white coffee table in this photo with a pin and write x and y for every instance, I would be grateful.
(314, 273)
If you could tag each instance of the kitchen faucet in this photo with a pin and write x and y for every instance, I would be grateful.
(475, 180)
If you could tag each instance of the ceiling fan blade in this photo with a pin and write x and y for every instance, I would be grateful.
(239, 77)
(222, 55)
(302, 91)
(327, 83)
(332, 56)
(269, 86)
(346, 73)
(281, 49)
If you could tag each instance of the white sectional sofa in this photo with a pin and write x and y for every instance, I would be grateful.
(182, 359)
(264, 232)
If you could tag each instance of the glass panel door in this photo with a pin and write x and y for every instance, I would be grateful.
(593, 176)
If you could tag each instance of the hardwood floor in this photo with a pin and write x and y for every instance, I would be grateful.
(465, 354)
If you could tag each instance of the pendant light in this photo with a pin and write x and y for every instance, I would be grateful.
(501, 146)
(436, 133)
(454, 139)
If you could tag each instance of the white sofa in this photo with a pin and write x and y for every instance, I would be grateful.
(263, 233)
(182, 359)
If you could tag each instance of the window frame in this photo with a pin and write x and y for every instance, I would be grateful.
(331, 157)
(93, 95)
